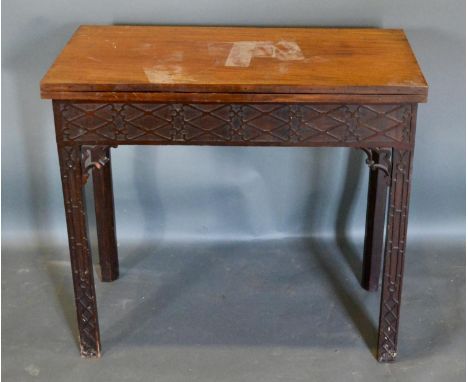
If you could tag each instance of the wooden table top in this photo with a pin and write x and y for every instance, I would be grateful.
(163, 59)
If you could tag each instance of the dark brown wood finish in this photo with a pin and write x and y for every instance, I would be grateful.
(392, 280)
(354, 88)
(375, 218)
(80, 255)
(395, 245)
(105, 220)
(270, 124)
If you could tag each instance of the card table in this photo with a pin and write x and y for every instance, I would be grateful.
(234, 86)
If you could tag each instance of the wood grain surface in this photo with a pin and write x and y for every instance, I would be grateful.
(140, 59)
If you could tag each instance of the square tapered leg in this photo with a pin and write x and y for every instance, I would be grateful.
(392, 278)
(80, 255)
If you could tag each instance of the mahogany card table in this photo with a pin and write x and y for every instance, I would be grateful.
(226, 86)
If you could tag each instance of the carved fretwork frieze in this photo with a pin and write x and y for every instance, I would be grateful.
(236, 124)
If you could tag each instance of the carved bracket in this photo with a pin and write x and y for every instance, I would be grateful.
(384, 164)
(93, 157)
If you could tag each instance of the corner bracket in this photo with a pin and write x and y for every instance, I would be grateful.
(379, 159)
(93, 157)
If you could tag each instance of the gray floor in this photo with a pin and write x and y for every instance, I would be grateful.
(288, 310)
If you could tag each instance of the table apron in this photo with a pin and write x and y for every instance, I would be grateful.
(273, 124)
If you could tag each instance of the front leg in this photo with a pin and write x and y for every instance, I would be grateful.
(392, 277)
(80, 255)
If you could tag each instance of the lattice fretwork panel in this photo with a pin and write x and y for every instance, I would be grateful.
(236, 124)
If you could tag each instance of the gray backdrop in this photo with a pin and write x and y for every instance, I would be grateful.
(193, 193)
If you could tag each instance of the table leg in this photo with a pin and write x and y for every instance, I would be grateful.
(80, 255)
(375, 223)
(394, 254)
(105, 219)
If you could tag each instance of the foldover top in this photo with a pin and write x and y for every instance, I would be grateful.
(236, 60)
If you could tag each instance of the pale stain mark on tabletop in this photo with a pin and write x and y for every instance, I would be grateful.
(242, 52)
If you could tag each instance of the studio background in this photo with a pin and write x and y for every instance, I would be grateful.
(234, 193)
(229, 194)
